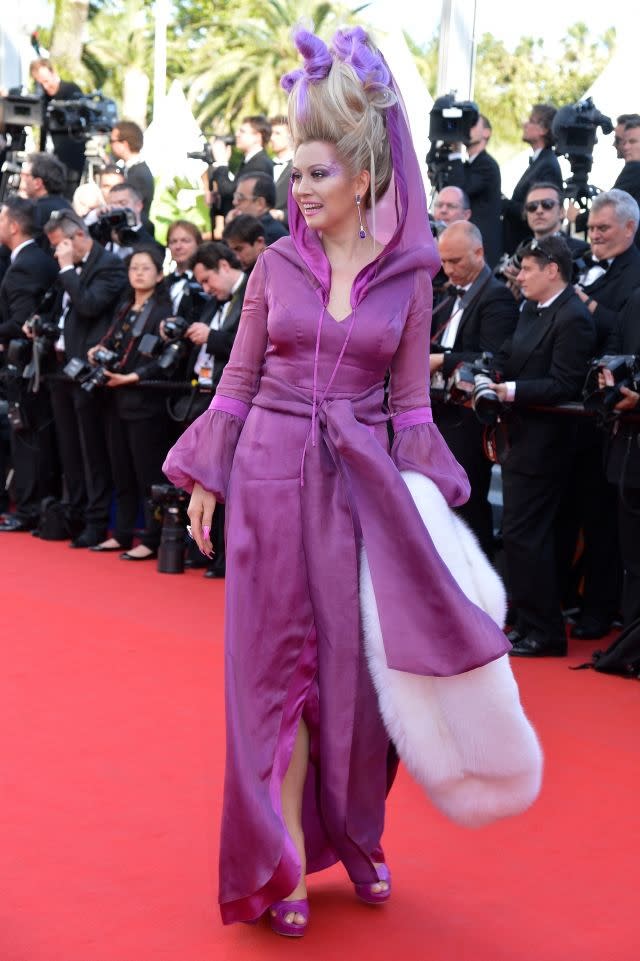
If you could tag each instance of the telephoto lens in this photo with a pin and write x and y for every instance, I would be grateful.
(172, 542)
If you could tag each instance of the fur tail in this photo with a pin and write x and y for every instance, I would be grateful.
(465, 738)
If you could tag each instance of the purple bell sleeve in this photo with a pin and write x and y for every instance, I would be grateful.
(204, 452)
(418, 444)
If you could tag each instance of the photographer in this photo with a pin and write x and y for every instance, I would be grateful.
(543, 167)
(126, 142)
(544, 211)
(187, 297)
(479, 315)
(479, 177)
(544, 362)
(451, 205)
(255, 194)
(125, 197)
(137, 425)
(252, 137)
(43, 180)
(623, 462)
(30, 274)
(629, 177)
(245, 236)
(90, 283)
(69, 150)
(218, 271)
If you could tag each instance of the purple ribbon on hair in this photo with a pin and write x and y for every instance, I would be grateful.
(316, 67)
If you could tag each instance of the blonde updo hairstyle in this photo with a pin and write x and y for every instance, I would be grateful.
(340, 96)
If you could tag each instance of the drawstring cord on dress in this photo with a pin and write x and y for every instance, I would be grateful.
(315, 404)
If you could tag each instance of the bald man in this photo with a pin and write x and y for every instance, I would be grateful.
(479, 316)
(451, 204)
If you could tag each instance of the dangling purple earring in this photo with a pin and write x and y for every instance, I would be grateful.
(362, 232)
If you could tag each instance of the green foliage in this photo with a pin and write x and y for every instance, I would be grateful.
(178, 200)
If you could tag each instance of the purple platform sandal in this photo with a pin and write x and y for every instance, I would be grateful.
(365, 893)
(289, 929)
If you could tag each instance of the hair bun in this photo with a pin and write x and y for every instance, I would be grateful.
(317, 60)
(352, 46)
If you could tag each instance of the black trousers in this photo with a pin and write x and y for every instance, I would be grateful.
(463, 433)
(629, 527)
(531, 506)
(590, 506)
(81, 432)
(34, 456)
(137, 449)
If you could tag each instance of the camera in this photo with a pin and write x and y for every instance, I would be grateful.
(472, 381)
(617, 371)
(175, 327)
(450, 122)
(118, 220)
(574, 131)
(83, 116)
(106, 360)
(206, 154)
(172, 502)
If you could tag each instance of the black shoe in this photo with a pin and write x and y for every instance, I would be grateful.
(590, 629)
(89, 537)
(533, 646)
(99, 549)
(13, 523)
(215, 572)
(514, 636)
(126, 556)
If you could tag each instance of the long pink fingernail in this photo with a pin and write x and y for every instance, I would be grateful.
(206, 531)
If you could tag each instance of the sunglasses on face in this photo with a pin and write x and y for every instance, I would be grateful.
(532, 205)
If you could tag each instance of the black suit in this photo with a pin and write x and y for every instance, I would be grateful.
(141, 179)
(27, 279)
(93, 295)
(261, 162)
(480, 180)
(137, 426)
(590, 503)
(623, 468)
(544, 169)
(273, 229)
(70, 150)
(547, 357)
(629, 180)
(488, 317)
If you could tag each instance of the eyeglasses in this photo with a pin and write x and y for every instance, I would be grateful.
(532, 205)
(534, 249)
(443, 205)
(242, 197)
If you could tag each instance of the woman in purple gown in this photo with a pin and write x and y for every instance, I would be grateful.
(296, 444)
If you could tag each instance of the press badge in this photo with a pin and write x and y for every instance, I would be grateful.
(205, 376)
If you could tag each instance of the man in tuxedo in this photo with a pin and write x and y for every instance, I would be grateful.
(219, 273)
(43, 179)
(125, 196)
(282, 163)
(606, 285)
(255, 194)
(623, 462)
(629, 177)
(69, 150)
(543, 167)
(91, 282)
(544, 362)
(30, 274)
(126, 142)
(479, 177)
(479, 314)
(252, 137)
(245, 236)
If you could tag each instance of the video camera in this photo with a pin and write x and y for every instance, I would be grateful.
(574, 130)
(82, 117)
(472, 382)
(617, 371)
(450, 122)
(117, 220)
(206, 154)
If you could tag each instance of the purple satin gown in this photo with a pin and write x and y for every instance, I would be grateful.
(296, 444)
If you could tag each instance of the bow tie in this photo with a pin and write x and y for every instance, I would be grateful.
(176, 277)
(280, 163)
(589, 262)
(457, 292)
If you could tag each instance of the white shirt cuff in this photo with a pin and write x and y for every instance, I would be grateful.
(511, 391)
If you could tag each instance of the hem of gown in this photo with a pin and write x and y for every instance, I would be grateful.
(287, 872)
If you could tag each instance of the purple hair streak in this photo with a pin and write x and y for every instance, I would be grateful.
(352, 47)
(317, 64)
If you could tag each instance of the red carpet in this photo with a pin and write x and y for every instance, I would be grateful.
(111, 758)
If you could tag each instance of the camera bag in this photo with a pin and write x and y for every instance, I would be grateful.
(56, 523)
(622, 656)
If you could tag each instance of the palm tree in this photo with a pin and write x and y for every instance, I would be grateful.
(119, 52)
(67, 36)
(254, 52)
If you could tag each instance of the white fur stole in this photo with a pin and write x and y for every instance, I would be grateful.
(465, 738)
